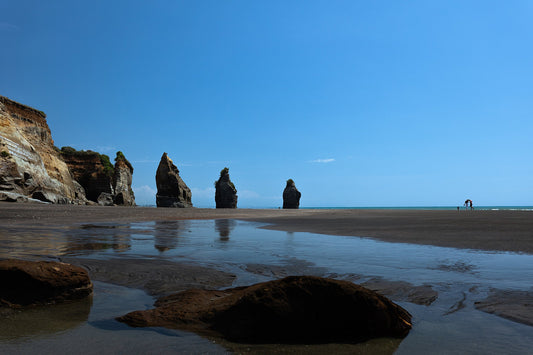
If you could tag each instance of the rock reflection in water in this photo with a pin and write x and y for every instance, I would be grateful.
(167, 233)
(92, 238)
(224, 228)
(44, 320)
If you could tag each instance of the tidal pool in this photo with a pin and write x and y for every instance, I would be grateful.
(449, 324)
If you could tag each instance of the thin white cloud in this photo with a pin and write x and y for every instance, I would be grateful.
(247, 194)
(208, 192)
(146, 161)
(5, 26)
(144, 195)
(105, 149)
(329, 160)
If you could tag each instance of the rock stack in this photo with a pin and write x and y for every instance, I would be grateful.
(122, 180)
(171, 190)
(225, 191)
(291, 195)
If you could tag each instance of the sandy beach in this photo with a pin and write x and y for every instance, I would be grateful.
(502, 230)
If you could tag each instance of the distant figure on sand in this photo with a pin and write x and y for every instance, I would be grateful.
(468, 203)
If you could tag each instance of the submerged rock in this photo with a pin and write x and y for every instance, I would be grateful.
(296, 309)
(171, 190)
(291, 195)
(29, 283)
(225, 191)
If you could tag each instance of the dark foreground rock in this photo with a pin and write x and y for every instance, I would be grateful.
(225, 191)
(29, 283)
(291, 195)
(296, 309)
(171, 190)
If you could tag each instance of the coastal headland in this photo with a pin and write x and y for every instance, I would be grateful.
(502, 230)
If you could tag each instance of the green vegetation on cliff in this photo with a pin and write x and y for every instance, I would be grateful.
(120, 156)
(104, 159)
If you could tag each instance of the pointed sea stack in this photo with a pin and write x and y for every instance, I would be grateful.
(291, 195)
(226, 193)
(171, 190)
(122, 180)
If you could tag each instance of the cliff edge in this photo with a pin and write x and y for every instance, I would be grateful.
(30, 166)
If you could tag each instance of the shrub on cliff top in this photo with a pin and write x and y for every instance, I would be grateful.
(290, 182)
(121, 156)
(69, 151)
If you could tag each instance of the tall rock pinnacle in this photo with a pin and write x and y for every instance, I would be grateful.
(291, 195)
(226, 193)
(171, 190)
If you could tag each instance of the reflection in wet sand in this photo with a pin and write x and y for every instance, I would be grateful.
(167, 233)
(44, 320)
(92, 237)
(224, 227)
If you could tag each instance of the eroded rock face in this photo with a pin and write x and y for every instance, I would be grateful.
(225, 191)
(296, 309)
(29, 164)
(171, 190)
(122, 180)
(30, 283)
(291, 195)
(91, 170)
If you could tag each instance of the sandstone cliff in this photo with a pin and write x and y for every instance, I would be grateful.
(29, 164)
(171, 190)
(104, 183)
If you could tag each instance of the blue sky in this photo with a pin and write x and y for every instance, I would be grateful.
(362, 103)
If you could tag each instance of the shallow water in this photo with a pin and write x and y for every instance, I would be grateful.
(450, 324)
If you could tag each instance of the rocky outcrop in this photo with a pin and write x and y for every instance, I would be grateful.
(92, 170)
(225, 191)
(291, 195)
(171, 190)
(30, 166)
(296, 309)
(122, 179)
(30, 283)
(103, 183)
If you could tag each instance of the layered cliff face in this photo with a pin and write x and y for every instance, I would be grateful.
(171, 189)
(92, 170)
(29, 164)
(103, 183)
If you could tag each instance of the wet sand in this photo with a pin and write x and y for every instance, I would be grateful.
(510, 231)
(484, 230)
